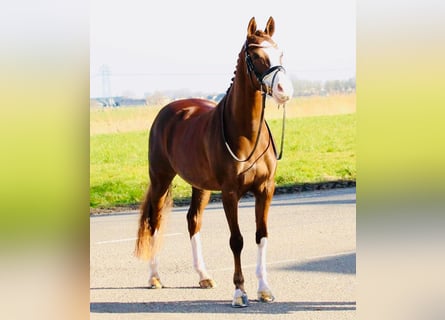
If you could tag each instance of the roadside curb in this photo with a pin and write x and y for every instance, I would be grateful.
(216, 197)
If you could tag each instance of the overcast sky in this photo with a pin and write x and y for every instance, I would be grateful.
(194, 44)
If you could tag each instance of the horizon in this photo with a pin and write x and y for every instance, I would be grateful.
(187, 92)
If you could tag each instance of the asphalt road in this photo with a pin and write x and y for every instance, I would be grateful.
(310, 260)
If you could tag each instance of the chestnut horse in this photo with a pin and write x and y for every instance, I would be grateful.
(225, 147)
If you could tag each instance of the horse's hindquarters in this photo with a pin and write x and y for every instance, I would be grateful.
(182, 138)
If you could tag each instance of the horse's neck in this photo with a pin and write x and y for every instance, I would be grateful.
(244, 103)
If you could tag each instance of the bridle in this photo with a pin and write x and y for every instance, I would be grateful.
(265, 90)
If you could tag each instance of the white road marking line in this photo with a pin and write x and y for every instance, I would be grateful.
(288, 260)
(133, 239)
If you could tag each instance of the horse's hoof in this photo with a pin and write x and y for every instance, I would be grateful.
(207, 284)
(155, 283)
(265, 296)
(240, 300)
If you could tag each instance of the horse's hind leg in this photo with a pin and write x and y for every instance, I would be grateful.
(156, 201)
(200, 198)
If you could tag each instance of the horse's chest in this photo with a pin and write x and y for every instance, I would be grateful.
(251, 175)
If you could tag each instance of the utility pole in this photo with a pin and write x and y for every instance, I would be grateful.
(106, 86)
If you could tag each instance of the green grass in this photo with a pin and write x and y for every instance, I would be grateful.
(118, 168)
(316, 149)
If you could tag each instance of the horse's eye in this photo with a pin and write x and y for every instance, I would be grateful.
(255, 56)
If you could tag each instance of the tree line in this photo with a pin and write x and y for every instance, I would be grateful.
(301, 88)
(318, 87)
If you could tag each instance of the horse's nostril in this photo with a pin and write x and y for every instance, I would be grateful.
(279, 87)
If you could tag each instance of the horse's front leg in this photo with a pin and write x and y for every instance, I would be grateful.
(200, 198)
(262, 204)
(230, 203)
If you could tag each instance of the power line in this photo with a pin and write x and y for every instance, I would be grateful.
(204, 74)
(167, 74)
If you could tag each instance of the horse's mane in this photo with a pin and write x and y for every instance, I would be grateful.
(258, 37)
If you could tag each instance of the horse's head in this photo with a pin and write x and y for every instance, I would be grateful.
(264, 62)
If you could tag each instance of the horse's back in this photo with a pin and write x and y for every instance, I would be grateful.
(188, 108)
(180, 111)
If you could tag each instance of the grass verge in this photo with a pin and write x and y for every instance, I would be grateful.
(318, 150)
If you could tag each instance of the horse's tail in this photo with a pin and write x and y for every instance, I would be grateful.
(150, 227)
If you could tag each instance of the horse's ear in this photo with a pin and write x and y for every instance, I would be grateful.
(270, 27)
(252, 27)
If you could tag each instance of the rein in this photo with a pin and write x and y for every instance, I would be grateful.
(277, 156)
(280, 155)
(268, 90)
(257, 137)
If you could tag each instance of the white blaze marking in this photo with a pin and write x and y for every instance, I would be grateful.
(275, 54)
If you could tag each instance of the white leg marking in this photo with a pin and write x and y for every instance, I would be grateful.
(261, 266)
(154, 281)
(198, 260)
(240, 299)
(275, 58)
(154, 262)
